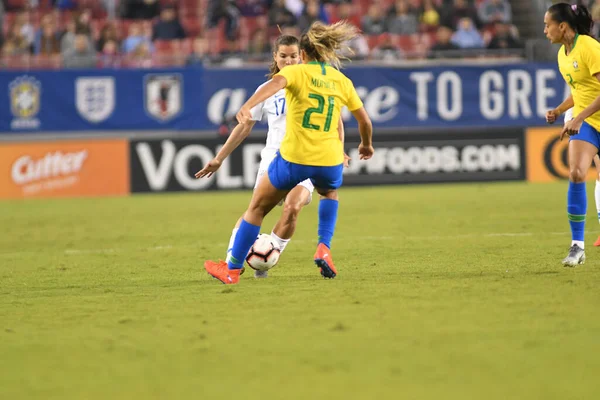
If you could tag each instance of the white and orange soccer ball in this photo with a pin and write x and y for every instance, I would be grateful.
(264, 253)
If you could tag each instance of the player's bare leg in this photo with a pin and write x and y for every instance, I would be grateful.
(285, 227)
(581, 154)
(264, 198)
(597, 192)
(327, 219)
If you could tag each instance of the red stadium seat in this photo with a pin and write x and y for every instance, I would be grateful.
(372, 40)
(186, 46)
(165, 46)
(15, 4)
(407, 43)
(9, 20)
(192, 25)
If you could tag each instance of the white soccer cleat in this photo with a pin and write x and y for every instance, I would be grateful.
(261, 274)
(575, 257)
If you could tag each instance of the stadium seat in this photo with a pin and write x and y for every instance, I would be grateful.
(372, 40)
(15, 4)
(192, 26)
(185, 46)
(406, 43)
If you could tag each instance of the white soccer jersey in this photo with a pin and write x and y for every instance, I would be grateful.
(275, 109)
(568, 115)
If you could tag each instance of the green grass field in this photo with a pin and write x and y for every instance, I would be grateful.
(444, 292)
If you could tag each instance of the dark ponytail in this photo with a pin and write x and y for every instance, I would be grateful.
(283, 40)
(577, 17)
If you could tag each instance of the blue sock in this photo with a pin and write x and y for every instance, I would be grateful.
(244, 239)
(576, 209)
(328, 210)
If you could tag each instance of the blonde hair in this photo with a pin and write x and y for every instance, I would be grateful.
(323, 43)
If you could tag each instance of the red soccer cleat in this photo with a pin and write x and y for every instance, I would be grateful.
(325, 262)
(597, 242)
(219, 270)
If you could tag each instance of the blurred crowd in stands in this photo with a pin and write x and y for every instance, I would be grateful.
(151, 33)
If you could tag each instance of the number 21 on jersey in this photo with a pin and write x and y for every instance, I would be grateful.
(319, 110)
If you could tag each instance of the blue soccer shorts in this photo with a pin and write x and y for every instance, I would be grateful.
(587, 133)
(285, 175)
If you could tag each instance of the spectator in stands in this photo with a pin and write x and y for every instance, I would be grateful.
(108, 33)
(199, 55)
(231, 55)
(17, 41)
(290, 30)
(310, 15)
(386, 50)
(403, 22)
(168, 26)
(141, 56)
(491, 11)
(47, 40)
(595, 11)
(1, 23)
(347, 11)
(227, 10)
(452, 12)
(110, 6)
(81, 55)
(80, 23)
(358, 49)
(374, 22)
(134, 38)
(147, 31)
(295, 6)
(505, 37)
(109, 57)
(429, 16)
(467, 36)
(252, 8)
(83, 21)
(443, 44)
(280, 16)
(259, 48)
(140, 9)
(8, 49)
(24, 21)
(66, 4)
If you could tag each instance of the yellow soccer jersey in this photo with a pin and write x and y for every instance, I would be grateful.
(315, 95)
(578, 69)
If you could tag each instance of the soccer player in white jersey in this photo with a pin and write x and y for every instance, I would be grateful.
(568, 117)
(286, 52)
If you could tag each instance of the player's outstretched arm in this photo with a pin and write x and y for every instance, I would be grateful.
(269, 89)
(365, 128)
(552, 115)
(237, 136)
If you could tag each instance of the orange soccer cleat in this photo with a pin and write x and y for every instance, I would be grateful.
(219, 270)
(597, 242)
(325, 262)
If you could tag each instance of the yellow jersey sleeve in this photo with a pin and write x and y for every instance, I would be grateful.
(591, 55)
(291, 75)
(353, 101)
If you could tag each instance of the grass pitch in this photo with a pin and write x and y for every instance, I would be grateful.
(444, 292)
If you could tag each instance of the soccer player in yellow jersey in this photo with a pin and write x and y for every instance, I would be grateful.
(311, 149)
(579, 64)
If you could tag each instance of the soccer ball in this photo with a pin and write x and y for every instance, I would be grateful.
(263, 254)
